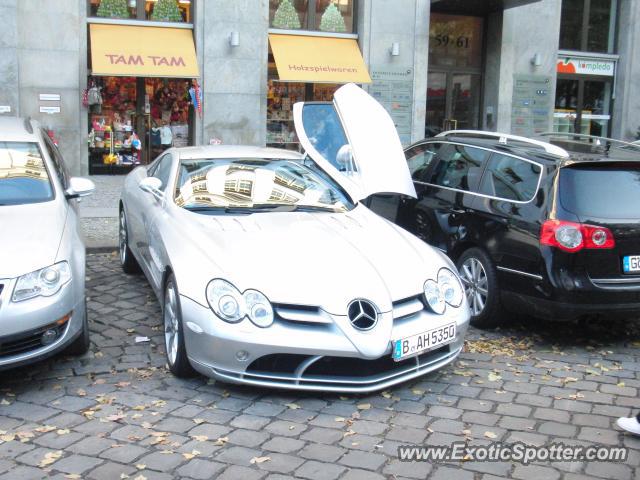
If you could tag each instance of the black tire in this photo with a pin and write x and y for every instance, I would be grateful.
(177, 360)
(482, 291)
(127, 260)
(81, 345)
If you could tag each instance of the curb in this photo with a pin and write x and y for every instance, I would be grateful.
(101, 249)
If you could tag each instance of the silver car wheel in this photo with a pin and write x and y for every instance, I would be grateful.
(171, 330)
(476, 287)
(122, 238)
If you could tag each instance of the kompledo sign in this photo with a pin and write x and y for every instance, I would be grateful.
(586, 66)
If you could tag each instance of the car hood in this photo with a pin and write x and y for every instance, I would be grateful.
(319, 259)
(30, 237)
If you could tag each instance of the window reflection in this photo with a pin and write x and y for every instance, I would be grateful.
(250, 182)
(23, 176)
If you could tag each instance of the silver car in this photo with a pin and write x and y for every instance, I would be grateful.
(272, 272)
(42, 255)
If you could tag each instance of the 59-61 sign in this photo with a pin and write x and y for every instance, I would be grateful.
(444, 40)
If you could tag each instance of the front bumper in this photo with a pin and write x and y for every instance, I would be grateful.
(307, 356)
(22, 324)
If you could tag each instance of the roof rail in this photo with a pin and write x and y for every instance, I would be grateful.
(505, 137)
(27, 125)
(623, 143)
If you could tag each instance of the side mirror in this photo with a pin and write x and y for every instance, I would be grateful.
(151, 185)
(79, 187)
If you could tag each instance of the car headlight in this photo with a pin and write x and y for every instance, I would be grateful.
(230, 305)
(451, 287)
(42, 283)
(434, 297)
(446, 291)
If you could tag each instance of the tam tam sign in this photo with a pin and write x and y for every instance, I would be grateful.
(586, 66)
(122, 50)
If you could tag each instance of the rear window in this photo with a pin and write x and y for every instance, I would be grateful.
(23, 175)
(601, 191)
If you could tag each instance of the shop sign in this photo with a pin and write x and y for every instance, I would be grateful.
(532, 105)
(5, 109)
(393, 88)
(586, 66)
(49, 97)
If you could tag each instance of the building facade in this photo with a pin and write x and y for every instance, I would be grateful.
(118, 81)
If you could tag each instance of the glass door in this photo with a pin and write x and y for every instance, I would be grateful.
(453, 101)
(583, 106)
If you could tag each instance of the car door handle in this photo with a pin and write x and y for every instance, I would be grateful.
(458, 210)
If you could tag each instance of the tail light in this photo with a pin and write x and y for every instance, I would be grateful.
(573, 237)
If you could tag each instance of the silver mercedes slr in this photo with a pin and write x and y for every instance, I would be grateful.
(42, 254)
(270, 269)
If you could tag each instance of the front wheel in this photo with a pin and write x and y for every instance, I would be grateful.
(480, 282)
(127, 260)
(173, 332)
(81, 345)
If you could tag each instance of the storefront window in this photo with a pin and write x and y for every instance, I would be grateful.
(155, 10)
(128, 127)
(588, 25)
(333, 16)
(583, 106)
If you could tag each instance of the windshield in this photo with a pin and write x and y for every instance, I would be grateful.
(601, 190)
(256, 184)
(23, 176)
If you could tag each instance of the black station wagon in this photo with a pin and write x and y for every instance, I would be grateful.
(532, 228)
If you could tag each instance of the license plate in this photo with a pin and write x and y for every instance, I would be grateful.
(416, 344)
(631, 264)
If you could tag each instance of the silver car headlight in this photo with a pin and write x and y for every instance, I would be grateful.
(451, 287)
(42, 283)
(434, 297)
(230, 305)
(446, 291)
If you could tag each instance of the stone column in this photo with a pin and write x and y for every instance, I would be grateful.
(626, 110)
(234, 79)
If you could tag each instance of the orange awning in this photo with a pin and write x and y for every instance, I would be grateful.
(123, 50)
(301, 58)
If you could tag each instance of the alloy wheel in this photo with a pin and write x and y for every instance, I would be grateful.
(476, 287)
(122, 238)
(171, 330)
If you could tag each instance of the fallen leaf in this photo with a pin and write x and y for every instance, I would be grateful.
(45, 429)
(221, 441)
(131, 330)
(621, 384)
(99, 355)
(72, 476)
(4, 402)
(63, 431)
(7, 437)
(193, 454)
(82, 393)
(490, 435)
(49, 458)
(200, 438)
(493, 377)
(123, 384)
(364, 406)
(340, 419)
(140, 477)
(417, 391)
(348, 433)
(141, 466)
(198, 421)
(292, 406)
(386, 394)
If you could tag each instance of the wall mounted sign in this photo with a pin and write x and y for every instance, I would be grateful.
(393, 88)
(586, 66)
(49, 109)
(49, 97)
(532, 105)
(5, 108)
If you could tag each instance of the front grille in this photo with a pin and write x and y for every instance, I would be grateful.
(406, 308)
(337, 373)
(302, 314)
(27, 341)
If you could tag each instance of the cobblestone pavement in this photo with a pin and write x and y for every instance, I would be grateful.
(117, 413)
(99, 211)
